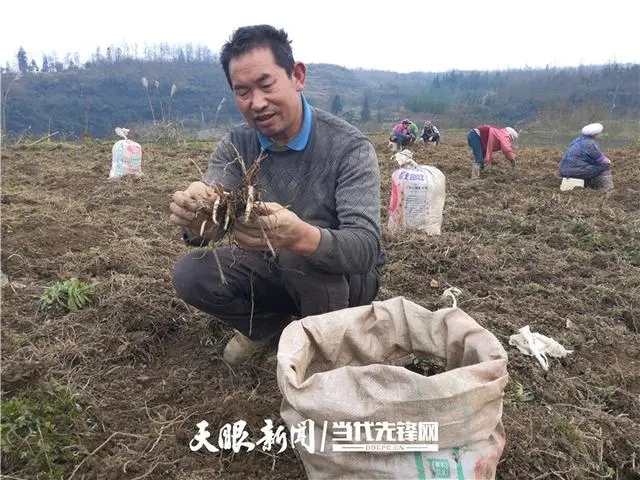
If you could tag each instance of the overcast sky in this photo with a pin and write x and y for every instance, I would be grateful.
(397, 36)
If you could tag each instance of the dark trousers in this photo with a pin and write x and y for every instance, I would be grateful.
(435, 138)
(473, 139)
(262, 294)
(402, 141)
(604, 181)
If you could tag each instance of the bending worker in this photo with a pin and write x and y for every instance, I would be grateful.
(486, 139)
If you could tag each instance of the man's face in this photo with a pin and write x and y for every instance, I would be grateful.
(268, 99)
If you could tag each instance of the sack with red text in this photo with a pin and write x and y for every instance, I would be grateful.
(417, 196)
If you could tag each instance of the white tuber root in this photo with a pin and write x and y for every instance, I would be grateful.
(250, 197)
(216, 204)
(204, 224)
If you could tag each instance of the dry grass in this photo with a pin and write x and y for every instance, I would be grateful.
(146, 367)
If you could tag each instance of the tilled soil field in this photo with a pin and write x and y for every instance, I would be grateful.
(114, 390)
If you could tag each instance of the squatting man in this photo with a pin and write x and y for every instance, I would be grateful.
(320, 186)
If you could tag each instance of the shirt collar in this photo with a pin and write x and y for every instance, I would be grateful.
(300, 141)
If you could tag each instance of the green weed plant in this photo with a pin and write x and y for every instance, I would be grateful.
(71, 295)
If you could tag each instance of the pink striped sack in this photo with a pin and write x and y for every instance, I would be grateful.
(126, 156)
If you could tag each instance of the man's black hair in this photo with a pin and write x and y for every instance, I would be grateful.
(245, 39)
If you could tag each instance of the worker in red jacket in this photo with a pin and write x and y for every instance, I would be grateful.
(486, 139)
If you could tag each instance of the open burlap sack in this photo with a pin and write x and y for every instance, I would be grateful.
(345, 366)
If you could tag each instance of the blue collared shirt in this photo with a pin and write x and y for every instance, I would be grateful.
(300, 141)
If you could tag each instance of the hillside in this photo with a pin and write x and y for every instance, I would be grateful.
(105, 94)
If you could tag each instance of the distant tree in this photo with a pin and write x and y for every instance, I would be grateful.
(109, 55)
(337, 105)
(4, 101)
(180, 58)
(365, 113)
(45, 64)
(426, 103)
(23, 62)
(34, 66)
(69, 63)
(97, 57)
(7, 68)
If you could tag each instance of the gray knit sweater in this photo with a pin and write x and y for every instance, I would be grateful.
(334, 184)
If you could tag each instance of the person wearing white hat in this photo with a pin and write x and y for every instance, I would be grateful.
(486, 139)
(584, 160)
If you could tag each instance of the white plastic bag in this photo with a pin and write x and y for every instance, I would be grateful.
(346, 366)
(538, 345)
(417, 196)
(126, 156)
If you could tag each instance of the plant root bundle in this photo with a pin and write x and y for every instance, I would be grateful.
(230, 206)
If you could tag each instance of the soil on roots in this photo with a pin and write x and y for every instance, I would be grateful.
(146, 368)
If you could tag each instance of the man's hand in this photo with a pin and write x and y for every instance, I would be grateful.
(281, 227)
(184, 206)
